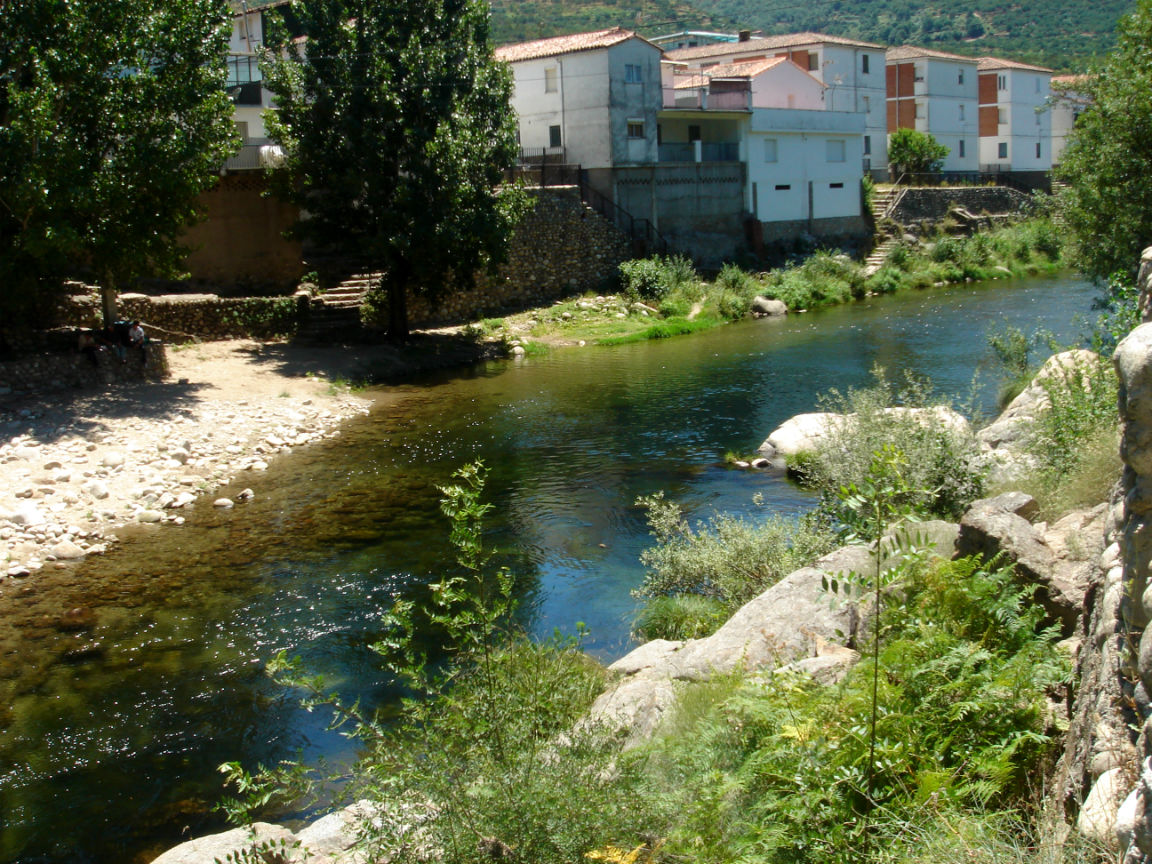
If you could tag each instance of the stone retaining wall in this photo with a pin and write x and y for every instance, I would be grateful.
(931, 204)
(61, 367)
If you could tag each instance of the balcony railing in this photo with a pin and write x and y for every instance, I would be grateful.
(255, 155)
(705, 100)
(709, 151)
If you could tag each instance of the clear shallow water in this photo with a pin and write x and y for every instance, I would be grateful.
(109, 738)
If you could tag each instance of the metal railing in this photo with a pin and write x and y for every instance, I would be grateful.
(646, 240)
(1023, 181)
(249, 159)
(710, 151)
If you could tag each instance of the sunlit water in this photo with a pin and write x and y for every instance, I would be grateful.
(111, 737)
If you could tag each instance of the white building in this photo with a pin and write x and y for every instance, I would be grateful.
(1069, 100)
(936, 93)
(851, 71)
(249, 28)
(1015, 123)
(589, 98)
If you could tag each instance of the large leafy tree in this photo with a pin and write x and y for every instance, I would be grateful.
(113, 118)
(1107, 167)
(396, 127)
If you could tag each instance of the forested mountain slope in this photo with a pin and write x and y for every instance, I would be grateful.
(1063, 34)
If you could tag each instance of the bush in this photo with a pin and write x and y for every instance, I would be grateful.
(684, 616)
(774, 771)
(944, 468)
(728, 558)
(655, 278)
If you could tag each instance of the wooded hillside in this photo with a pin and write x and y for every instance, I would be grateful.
(1066, 35)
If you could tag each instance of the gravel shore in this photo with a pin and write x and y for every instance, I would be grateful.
(77, 466)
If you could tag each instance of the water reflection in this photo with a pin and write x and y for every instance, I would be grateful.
(112, 733)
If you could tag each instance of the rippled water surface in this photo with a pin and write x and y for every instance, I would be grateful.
(110, 737)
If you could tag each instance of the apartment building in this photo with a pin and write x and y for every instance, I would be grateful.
(1015, 116)
(935, 92)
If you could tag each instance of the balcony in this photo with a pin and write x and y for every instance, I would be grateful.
(256, 155)
(705, 99)
(700, 151)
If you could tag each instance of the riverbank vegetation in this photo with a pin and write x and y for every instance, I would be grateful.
(664, 296)
(491, 757)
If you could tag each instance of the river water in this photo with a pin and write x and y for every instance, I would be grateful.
(110, 737)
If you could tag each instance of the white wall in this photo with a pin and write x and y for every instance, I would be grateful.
(787, 86)
(802, 141)
(952, 109)
(1028, 123)
(592, 104)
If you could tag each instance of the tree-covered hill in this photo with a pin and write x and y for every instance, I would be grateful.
(1063, 34)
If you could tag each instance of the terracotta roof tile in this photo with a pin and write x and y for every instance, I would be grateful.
(767, 43)
(914, 52)
(564, 45)
(991, 63)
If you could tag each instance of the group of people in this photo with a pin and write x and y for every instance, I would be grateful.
(117, 337)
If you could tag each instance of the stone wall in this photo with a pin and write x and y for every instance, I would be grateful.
(931, 204)
(180, 317)
(562, 248)
(840, 227)
(59, 366)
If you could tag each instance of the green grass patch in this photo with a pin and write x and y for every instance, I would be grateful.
(663, 330)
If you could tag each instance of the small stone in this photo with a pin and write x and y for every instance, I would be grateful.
(223, 503)
(112, 459)
(149, 516)
(245, 495)
(96, 489)
(66, 550)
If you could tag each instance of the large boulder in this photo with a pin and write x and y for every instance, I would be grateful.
(217, 847)
(805, 432)
(1010, 431)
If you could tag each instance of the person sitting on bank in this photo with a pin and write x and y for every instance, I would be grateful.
(137, 339)
(87, 345)
(110, 338)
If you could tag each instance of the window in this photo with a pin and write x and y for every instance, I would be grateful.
(961, 152)
(782, 187)
(633, 73)
(919, 110)
(1001, 116)
(864, 59)
(960, 78)
(813, 61)
(1037, 82)
(835, 150)
(693, 133)
(242, 128)
(961, 112)
(867, 104)
(919, 75)
(553, 136)
(770, 150)
(635, 128)
(550, 80)
(1001, 82)
(1002, 150)
(835, 185)
(1037, 149)
(867, 145)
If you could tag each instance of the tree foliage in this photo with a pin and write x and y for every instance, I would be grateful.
(396, 127)
(1107, 202)
(916, 152)
(113, 118)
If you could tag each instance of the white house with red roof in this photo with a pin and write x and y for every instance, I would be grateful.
(1015, 116)
(590, 98)
(851, 71)
(935, 92)
(1069, 100)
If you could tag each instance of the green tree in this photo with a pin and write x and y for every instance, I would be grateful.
(113, 118)
(1107, 199)
(914, 152)
(396, 128)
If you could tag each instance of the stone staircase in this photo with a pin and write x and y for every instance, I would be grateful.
(334, 316)
(884, 199)
(879, 255)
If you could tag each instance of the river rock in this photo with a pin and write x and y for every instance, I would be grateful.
(799, 434)
(762, 306)
(223, 503)
(29, 516)
(96, 489)
(66, 550)
(112, 459)
(1097, 820)
(218, 847)
(150, 516)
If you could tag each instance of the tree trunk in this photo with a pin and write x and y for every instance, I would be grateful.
(108, 298)
(398, 304)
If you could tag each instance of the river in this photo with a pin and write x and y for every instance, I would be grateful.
(111, 737)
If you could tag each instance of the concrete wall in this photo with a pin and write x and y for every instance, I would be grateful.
(242, 241)
(698, 208)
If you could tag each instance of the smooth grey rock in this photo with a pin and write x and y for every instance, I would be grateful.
(768, 308)
(801, 433)
(649, 654)
(1097, 819)
(217, 847)
(66, 550)
(112, 459)
(150, 516)
(96, 489)
(223, 503)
